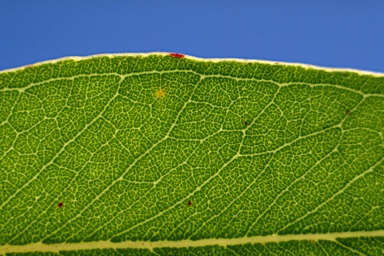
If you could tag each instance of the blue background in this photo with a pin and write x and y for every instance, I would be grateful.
(326, 33)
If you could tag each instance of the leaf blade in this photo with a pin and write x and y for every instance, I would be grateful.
(126, 142)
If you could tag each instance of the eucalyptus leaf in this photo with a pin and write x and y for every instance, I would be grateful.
(169, 154)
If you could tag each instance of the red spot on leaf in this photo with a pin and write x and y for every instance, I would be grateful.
(60, 204)
(189, 203)
(176, 55)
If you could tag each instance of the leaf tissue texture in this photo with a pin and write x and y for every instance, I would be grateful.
(164, 155)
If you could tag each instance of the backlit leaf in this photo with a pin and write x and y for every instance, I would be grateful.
(168, 154)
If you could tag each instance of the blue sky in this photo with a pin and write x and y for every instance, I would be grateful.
(325, 33)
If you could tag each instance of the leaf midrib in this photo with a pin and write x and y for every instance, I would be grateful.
(55, 248)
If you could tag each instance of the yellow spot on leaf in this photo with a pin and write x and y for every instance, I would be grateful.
(160, 93)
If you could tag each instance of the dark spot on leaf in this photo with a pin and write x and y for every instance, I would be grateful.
(189, 203)
(60, 204)
(348, 112)
(176, 55)
(245, 122)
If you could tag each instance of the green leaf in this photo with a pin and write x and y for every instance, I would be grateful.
(160, 154)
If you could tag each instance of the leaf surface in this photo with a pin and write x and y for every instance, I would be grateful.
(166, 154)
